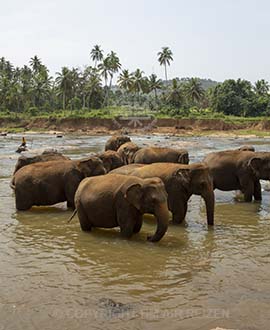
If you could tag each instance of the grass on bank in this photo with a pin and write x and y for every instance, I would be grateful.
(113, 112)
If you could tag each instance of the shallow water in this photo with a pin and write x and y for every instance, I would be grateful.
(53, 276)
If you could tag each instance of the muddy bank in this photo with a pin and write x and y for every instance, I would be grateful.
(103, 125)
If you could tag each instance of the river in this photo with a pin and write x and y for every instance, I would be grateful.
(54, 276)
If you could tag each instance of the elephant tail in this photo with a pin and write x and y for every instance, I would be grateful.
(72, 216)
(12, 184)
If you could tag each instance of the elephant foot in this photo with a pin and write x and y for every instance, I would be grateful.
(86, 227)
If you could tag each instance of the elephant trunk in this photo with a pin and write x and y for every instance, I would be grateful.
(161, 213)
(209, 199)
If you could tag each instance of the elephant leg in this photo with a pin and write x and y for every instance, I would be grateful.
(84, 221)
(247, 188)
(257, 191)
(179, 213)
(127, 221)
(70, 204)
(248, 192)
(22, 201)
(138, 225)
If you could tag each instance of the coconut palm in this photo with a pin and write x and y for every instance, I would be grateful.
(114, 65)
(96, 54)
(261, 87)
(165, 56)
(35, 63)
(193, 90)
(64, 84)
(138, 81)
(125, 80)
(175, 94)
(154, 84)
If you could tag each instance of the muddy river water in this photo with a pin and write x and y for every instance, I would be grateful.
(54, 276)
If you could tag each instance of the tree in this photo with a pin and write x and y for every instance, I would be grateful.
(138, 81)
(64, 84)
(165, 56)
(174, 96)
(261, 87)
(125, 80)
(114, 65)
(193, 90)
(154, 84)
(233, 97)
(35, 63)
(96, 54)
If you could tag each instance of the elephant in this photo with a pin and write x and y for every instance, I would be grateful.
(246, 148)
(116, 141)
(151, 155)
(181, 181)
(239, 170)
(53, 182)
(127, 151)
(111, 159)
(119, 200)
(44, 157)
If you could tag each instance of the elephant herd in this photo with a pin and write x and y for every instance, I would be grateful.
(116, 187)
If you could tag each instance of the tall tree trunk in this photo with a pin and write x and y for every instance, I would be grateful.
(166, 77)
(64, 100)
(83, 100)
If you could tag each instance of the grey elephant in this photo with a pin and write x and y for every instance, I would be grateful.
(119, 200)
(239, 170)
(127, 151)
(116, 141)
(44, 157)
(151, 155)
(53, 182)
(111, 160)
(246, 148)
(181, 181)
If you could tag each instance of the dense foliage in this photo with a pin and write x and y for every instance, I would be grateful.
(32, 90)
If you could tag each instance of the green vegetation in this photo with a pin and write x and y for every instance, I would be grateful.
(30, 91)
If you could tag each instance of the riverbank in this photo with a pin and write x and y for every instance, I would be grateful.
(136, 125)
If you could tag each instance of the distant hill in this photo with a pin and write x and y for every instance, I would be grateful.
(206, 83)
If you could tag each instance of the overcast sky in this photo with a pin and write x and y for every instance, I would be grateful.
(215, 39)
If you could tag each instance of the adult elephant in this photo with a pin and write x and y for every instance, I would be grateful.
(53, 182)
(239, 170)
(116, 141)
(181, 181)
(151, 155)
(111, 160)
(246, 148)
(119, 200)
(127, 151)
(44, 157)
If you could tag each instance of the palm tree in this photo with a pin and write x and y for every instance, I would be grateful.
(64, 84)
(138, 81)
(261, 87)
(175, 94)
(193, 90)
(35, 63)
(96, 54)
(125, 80)
(155, 84)
(114, 65)
(165, 56)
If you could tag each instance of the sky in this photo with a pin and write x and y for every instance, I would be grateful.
(216, 39)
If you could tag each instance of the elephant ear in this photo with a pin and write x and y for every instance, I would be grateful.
(134, 195)
(255, 164)
(184, 176)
